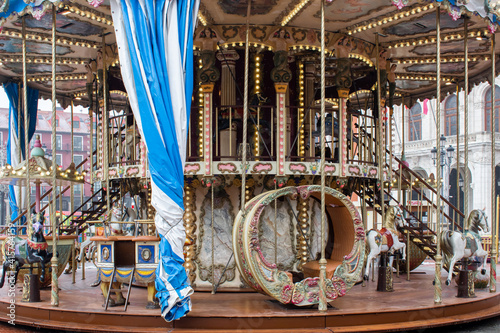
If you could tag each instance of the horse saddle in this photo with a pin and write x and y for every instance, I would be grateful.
(471, 243)
(386, 237)
(20, 248)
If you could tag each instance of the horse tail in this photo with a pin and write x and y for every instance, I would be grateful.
(446, 246)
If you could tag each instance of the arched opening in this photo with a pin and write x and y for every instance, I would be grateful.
(487, 109)
(456, 195)
(450, 116)
(415, 123)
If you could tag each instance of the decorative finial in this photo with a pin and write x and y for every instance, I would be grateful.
(37, 151)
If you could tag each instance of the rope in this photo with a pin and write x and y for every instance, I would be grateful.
(322, 264)
(245, 114)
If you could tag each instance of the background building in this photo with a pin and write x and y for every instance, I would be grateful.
(416, 127)
(80, 124)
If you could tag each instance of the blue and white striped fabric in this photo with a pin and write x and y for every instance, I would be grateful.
(15, 147)
(155, 45)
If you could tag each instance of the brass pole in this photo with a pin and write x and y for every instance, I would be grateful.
(457, 219)
(54, 301)
(380, 141)
(322, 306)
(213, 238)
(493, 249)
(466, 121)
(26, 130)
(72, 199)
(105, 126)
(438, 258)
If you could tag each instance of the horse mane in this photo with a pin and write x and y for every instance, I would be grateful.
(390, 217)
(473, 221)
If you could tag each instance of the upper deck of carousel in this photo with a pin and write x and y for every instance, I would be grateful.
(403, 32)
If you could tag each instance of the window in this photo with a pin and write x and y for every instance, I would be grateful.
(1, 140)
(77, 159)
(77, 189)
(415, 122)
(78, 143)
(59, 159)
(76, 122)
(450, 116)
(487, 110)
(58, 142)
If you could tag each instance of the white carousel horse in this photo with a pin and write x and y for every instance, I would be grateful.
(456, 245)
(385, 239)
(120, 229)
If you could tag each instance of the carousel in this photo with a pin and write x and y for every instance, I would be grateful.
(241, 166)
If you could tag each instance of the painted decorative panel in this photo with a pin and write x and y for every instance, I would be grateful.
(283, 225)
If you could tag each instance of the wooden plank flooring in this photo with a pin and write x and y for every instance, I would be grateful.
(410, 306)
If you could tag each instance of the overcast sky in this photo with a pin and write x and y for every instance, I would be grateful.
(43, 104)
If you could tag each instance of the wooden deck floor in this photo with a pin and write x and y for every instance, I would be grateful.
(410, 306)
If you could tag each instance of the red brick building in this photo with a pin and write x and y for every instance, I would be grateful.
(81, 147)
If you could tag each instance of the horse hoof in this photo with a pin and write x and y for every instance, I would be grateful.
(447, 282)
(365, 277)
(95, 283)
(433, 282)
(153, 305)
(483, 271)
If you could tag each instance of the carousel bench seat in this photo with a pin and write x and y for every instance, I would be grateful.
(311, 268)
(146, 239)
(111, 238)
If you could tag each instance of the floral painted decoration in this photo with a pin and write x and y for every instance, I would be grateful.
(400, 3)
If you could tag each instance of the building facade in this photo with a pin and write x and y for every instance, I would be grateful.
(81, 149)
(414, 135)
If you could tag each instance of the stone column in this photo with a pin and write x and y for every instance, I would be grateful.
(228, 85)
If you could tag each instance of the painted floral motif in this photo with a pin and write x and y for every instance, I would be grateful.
(38, 14)
(227, 167)
(492, 27)
(400, 4)
(95, 3)
(455, 12)
(314, 168)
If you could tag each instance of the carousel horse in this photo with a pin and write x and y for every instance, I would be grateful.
(457, 245)
(18, 251)
(385, 239)
(117, 215)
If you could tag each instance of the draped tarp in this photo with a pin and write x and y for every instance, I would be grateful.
(15, 147)
(155, 43)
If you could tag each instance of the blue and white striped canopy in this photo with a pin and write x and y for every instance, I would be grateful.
(155, 42)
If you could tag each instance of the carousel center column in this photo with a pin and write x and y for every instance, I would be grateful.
(227, 140)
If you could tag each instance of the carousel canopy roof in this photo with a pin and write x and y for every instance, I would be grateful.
(40, 173)
(406, 29)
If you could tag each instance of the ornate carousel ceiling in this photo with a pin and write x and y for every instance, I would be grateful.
(405, 28)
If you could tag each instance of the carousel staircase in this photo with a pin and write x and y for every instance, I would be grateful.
(416, 229)
(97, 207)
